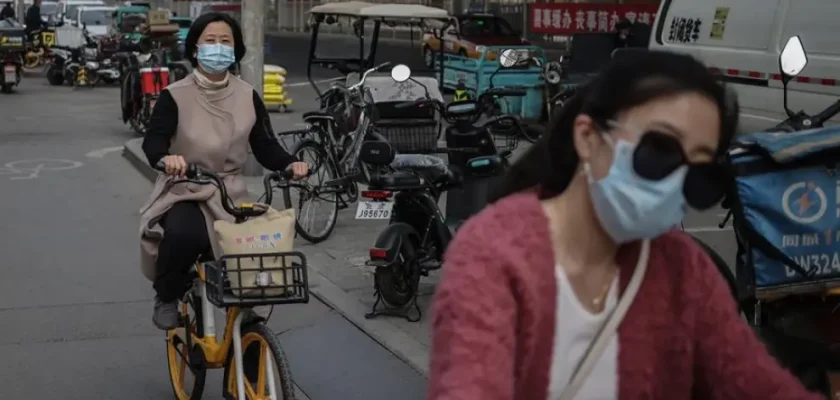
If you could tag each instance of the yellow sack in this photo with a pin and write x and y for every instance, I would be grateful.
(272, 232)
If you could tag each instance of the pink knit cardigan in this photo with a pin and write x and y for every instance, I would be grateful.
(494, 317)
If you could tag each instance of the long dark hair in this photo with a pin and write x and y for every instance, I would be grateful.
(200, 24)
(551, 163)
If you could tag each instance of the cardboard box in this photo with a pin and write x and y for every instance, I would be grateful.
(158, 17)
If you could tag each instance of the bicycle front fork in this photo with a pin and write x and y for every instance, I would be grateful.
(239, 362)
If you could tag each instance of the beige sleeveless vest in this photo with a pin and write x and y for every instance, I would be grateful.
(212, 132)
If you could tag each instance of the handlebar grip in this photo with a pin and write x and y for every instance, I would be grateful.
(193, 170)
(827, 114)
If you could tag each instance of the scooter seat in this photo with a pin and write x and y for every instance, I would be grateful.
(431, 168)
(396, 181)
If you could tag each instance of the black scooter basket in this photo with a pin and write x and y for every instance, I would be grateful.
(257, 286)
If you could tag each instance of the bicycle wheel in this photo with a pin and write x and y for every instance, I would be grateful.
(259, 345)
(186, 370)
(310, 224)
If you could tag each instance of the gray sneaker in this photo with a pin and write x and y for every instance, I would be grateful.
(166, 315)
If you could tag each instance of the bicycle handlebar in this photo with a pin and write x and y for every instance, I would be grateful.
(199, 175)
(365, 75)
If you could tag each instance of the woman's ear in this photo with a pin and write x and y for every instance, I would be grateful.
(586, 136)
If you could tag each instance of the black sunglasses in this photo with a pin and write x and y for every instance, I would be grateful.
(659, 154)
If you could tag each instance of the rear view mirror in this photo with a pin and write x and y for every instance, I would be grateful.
(400, 73)
(508, 58)
(377, 153)
(793, 59)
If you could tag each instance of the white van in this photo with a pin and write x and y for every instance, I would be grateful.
(96, 19)
(742, 40)
(69, 8)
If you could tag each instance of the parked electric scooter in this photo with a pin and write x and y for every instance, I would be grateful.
(406, 189)
(12, 49)
(797, 321)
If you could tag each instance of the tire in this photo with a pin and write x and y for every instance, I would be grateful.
(177, 338)
(323, 166)
(397, 283)
(55, 79)
(256, 333)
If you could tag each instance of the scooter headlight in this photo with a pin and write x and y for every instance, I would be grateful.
(92, 65)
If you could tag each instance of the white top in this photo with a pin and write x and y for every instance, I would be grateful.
(376, 10)
(575, 330)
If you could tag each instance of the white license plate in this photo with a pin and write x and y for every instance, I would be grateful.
(10, 75)
(374, 210)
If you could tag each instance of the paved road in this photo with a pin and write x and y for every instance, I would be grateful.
(74, 309)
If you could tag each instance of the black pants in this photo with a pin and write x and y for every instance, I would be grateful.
(185, 239)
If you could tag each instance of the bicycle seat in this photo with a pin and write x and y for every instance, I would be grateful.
(431, 168)
(317, 115)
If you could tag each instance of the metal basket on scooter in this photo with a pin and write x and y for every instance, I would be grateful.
(412, 130)
(247, 280)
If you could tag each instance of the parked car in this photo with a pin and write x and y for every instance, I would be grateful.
(472, 32)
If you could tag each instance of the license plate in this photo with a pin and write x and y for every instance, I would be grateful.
(10, 73)
(374, 210)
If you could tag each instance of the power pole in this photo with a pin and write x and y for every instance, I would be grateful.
(253, 30)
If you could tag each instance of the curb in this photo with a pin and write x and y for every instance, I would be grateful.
(389, 336)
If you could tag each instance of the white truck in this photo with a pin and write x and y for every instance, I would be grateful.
(95, 19)
(742, 39)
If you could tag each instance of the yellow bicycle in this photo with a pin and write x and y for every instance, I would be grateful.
(255, 367)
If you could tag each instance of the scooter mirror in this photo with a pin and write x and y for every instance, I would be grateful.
(400, 73)
(793, 59)
(508, 58)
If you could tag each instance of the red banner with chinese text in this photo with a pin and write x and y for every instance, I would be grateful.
(571, 18)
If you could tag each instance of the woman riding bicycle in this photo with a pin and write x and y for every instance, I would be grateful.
(573, 285)
(208, 119)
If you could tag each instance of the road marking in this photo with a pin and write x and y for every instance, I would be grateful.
(299, 84)
(701, 229)
(100, 153)
(29, 169)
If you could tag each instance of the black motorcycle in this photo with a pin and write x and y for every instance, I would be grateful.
(410, 186)
(12, 50)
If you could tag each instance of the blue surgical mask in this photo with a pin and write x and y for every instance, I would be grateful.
(215, 58)
(631, 207)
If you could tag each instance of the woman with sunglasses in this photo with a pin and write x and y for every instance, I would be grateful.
(573, 286)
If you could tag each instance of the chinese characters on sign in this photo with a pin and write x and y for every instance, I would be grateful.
(567, 19)
(684, 30)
